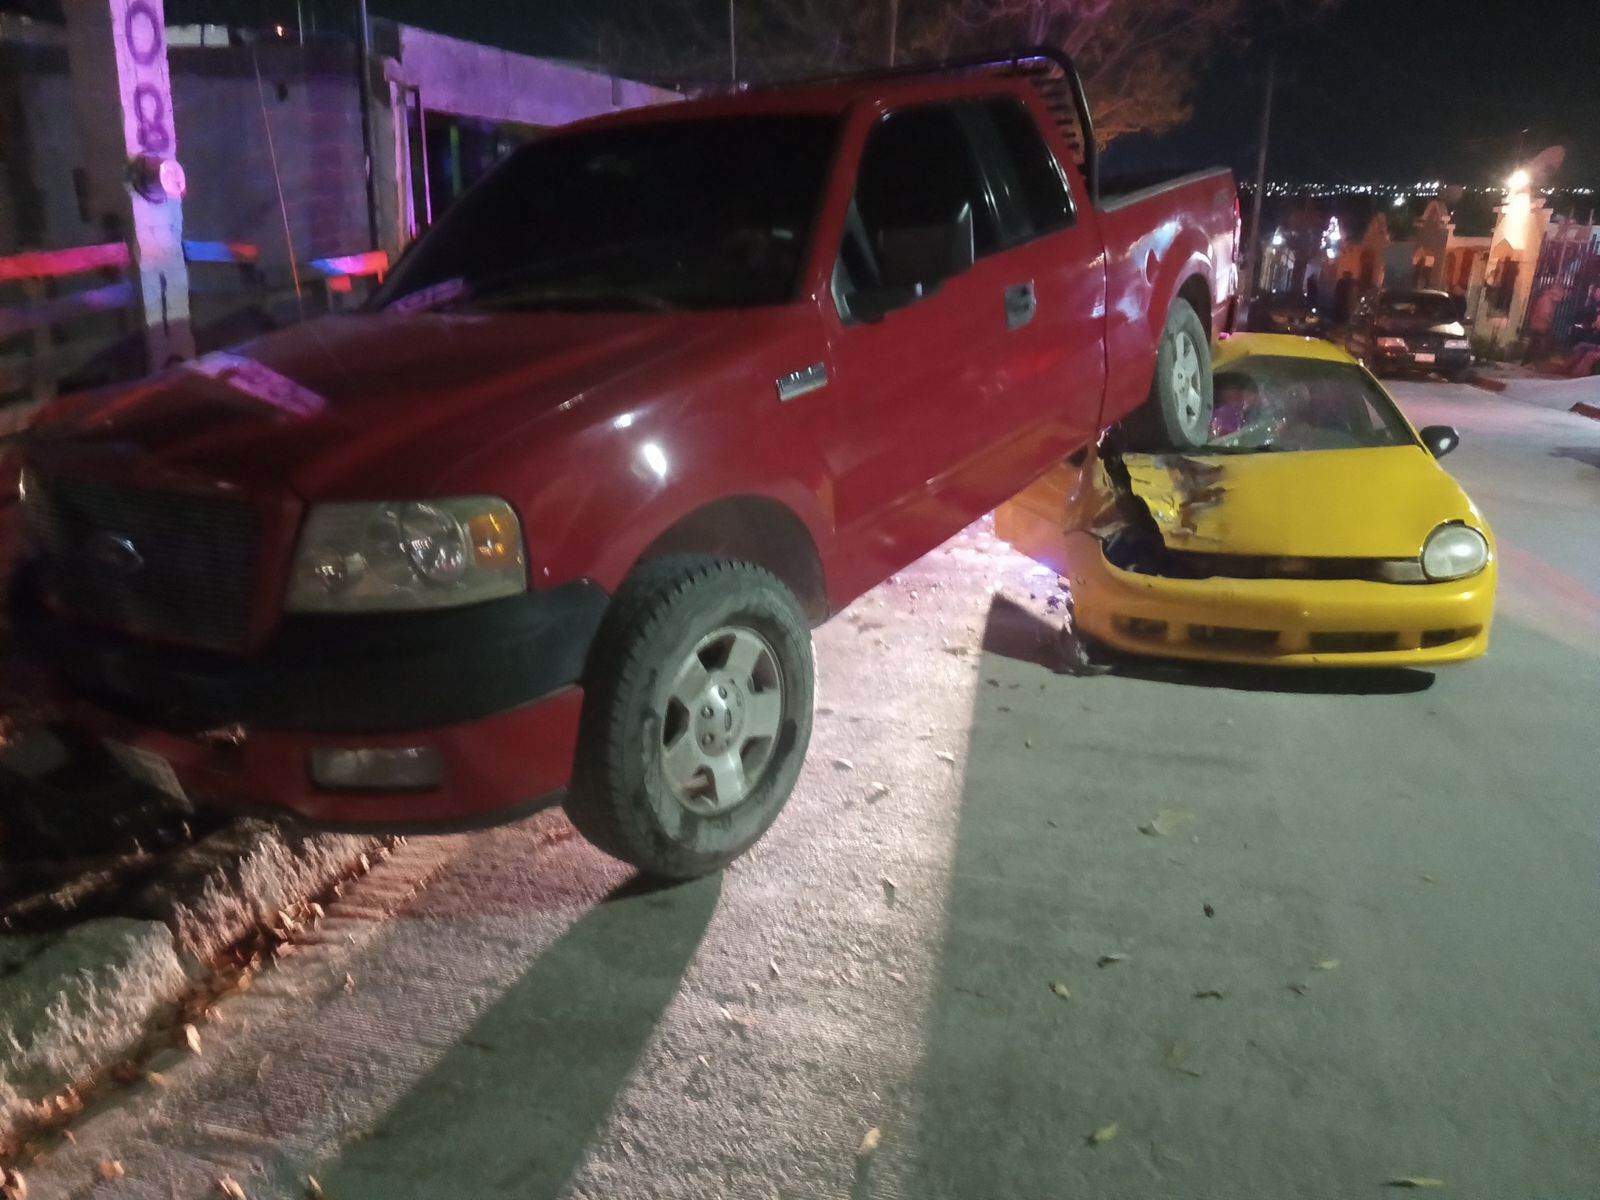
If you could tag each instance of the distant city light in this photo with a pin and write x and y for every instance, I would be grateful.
(1399, 201)
(279, 28)
(1277, 238)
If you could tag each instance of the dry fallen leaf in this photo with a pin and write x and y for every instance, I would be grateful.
(1208, 910)
(772, 965)
(1104, 1134)
(869, 1143)
(230, 1187)
(313, 1188)
(111, 1168)
(1416, 1181)
(13, 1184)
(1328, 964)
(1176, 1058)
(1061, 990)
(1107, 960)
(1427, 878)
(1299, 989)
(191, 1038)
(889, 887)
(843, 764)
(1210, 994)
(349, 984)
(897, 977)
(945, 756)
(877, 792)
(1167, 822)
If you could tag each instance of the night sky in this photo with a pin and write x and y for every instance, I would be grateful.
(1380, 91)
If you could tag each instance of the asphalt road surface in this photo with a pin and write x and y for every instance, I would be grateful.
(1399, 978)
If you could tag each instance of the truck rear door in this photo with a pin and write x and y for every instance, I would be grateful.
(1053, 362)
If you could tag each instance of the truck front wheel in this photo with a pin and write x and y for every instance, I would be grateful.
(696, 718)
(1177, 416)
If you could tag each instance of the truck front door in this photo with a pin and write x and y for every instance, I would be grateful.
(912, 409)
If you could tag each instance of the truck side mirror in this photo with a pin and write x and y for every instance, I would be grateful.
(1440, 439)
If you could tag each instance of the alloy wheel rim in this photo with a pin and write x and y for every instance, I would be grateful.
(720, 719)
(1186, 388)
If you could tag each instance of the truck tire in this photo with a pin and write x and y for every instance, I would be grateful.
(1177, 415)
(696, 717)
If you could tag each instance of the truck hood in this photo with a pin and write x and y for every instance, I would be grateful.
(1371, 503)
(334, 403)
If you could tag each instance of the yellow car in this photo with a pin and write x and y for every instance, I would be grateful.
(1316, 529)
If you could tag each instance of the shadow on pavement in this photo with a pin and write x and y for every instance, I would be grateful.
(1016, 633)
(495, 1118)
(1588, 455)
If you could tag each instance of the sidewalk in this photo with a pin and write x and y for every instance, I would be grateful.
(1543, 391)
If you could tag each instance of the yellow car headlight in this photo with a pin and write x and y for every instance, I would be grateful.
(1454, 552)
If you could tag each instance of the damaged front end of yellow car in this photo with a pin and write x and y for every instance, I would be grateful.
(1312, 559)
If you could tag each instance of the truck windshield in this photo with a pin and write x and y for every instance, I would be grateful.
(704, 213)
(1268, 402)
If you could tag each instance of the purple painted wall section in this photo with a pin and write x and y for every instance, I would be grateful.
(470, 80)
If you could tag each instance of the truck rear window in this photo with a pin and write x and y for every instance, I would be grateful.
(705, 213)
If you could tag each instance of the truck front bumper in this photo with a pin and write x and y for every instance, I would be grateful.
(487, 698)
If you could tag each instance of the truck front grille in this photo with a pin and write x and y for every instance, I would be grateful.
(166, 565)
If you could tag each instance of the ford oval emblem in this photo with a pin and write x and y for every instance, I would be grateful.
(115, 552)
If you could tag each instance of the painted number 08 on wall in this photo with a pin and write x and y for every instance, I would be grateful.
(143, 39)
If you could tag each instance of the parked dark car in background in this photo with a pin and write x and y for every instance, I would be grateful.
(1393, 332)
(1286, 313)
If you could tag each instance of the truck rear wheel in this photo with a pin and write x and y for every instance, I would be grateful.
(1177, 415)
(696, 717)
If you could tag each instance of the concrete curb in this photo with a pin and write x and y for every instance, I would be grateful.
(1487, 382)
(78, 1001)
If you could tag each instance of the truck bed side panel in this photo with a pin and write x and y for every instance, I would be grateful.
(1156, 241)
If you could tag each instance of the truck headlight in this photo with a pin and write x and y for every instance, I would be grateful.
(1454, 552)
(400, 555)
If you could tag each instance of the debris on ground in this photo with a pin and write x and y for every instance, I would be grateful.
(1167, 822)
(1208, 910)
(1104, 1134)
(231, 1188)
(1061, 990)
(1210, 994)
(1299, 989)
(869, 1143)
(889, 889)
(1176, 1058)
(313, 1188)
(944, 756)
(1328, 964)
(13, 1184)
(111, 1168)
(191, 1038)
(843, 764)
(1415, 1181)
(877, 792)
(1107, 960)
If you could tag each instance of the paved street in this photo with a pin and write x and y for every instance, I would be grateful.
(1399, 978)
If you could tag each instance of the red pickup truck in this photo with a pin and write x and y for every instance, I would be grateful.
(551, 519)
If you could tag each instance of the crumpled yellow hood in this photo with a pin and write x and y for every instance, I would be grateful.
(1374, 503)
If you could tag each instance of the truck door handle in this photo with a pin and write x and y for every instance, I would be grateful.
(1022, 302)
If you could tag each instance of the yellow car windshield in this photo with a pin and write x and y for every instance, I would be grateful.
(1265, 403)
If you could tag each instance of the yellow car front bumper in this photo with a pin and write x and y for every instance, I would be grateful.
(1279, 622)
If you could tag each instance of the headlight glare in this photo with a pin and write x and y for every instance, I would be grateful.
(399, 556)
(1454, 552)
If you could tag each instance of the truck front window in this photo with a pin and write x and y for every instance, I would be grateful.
(696, 213)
